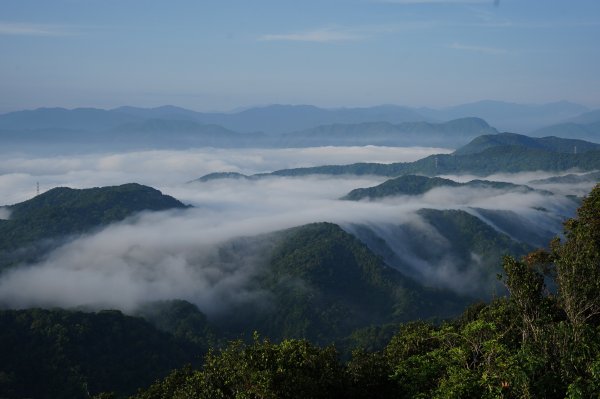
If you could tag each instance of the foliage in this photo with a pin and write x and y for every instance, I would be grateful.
(290, 369)
(533, 344)
(416, 185)
(323, 283)
(507, 159)
(71, 354)
(62, 211)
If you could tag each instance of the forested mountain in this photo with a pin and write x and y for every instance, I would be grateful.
(416, 185)
(570, 178)
(61, 212)
(461, 251)
(552, 144)
(352, 286)
(534, 343)
(508, 159)
(73, 354)
(323, 284)
(485, 155)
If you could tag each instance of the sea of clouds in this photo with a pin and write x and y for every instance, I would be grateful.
(174, 254)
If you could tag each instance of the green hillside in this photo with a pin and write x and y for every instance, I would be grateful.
(535, 343)
(552, 144)
(63, 211)
(68, 354)
(508, 159)
(417, 185)
(322, 283)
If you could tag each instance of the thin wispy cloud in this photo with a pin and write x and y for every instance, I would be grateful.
(408, 2)
(478, 49)
(322, 35)
(26, 29)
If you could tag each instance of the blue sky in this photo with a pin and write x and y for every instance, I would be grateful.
(224, 54)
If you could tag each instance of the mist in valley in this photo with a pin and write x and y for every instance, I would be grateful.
(211, 253)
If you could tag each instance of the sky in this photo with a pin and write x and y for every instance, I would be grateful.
(219, 55)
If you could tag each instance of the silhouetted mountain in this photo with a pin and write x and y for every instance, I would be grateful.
(587, 131)
(507, 116)
(74, 119)
(450, 133)
(278, 119)
(181, 133)
(586, 117)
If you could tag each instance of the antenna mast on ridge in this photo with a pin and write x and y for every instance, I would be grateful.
(37, 188)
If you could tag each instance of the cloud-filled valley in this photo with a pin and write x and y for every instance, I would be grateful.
(179, 254)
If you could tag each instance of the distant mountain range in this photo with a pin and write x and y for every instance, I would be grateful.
(513, 117)
(287, 126)
(387, 134)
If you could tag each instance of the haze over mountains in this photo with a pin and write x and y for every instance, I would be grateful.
(330, 253)
(280, 126)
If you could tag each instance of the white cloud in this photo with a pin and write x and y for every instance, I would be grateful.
(163, 169)
(26, 29)
(478, 49)
(407, 2)
(322, 35)
(4, 213)
(175, 254)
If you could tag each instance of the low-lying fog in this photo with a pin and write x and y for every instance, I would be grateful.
(172, 254)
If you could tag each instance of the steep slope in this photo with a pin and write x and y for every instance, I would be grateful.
(323, 283)
(453, 249)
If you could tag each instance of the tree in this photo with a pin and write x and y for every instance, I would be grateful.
(577, 262)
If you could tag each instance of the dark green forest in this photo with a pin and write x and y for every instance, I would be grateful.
(496, 159)
(535, 343)
(541, 340)
(45, 221)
